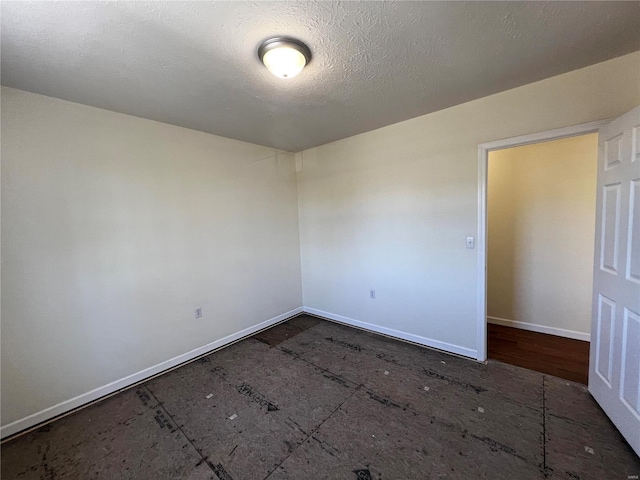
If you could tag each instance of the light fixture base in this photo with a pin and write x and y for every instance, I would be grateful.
(277, 42)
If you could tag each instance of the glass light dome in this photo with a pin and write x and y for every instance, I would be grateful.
(284, 57)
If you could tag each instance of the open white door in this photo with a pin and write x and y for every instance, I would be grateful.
(614, 366)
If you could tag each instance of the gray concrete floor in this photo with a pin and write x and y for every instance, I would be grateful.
(314, 399)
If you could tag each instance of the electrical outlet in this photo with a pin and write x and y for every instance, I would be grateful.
(372, 294)
(471, 242)
(198, 312)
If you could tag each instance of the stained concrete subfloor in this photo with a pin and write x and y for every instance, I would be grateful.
(314, 399)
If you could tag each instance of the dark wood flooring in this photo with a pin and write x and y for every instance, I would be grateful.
(558, 356)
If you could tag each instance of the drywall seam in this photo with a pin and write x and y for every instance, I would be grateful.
(424, 341)
(532, 327)
(115, 387)
(299, 165)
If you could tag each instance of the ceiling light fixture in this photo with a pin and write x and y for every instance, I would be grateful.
(285, 57)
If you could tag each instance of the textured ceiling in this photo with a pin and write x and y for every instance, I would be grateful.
(194, 64)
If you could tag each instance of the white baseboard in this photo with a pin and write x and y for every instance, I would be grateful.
(560, 332)
(114, 387)
(427, 342)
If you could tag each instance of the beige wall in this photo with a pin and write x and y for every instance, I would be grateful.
(390, 209)
(114, 229)
(541, 226)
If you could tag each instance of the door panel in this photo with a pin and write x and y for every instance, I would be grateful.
(614, 367)
(606, 323)
(633, 247)
(610, 228)
(630, 380)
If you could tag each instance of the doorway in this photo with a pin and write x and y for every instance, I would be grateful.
(540, 240)
(484, 151)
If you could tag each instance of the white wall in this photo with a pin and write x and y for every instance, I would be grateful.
(541, 226)
(114, 229)
(390, 209)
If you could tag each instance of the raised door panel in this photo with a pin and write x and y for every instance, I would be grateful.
(610, 228)
(630, 373)
(633, 241)
(604, 339)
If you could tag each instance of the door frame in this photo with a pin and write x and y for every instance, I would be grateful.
(481, 244)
